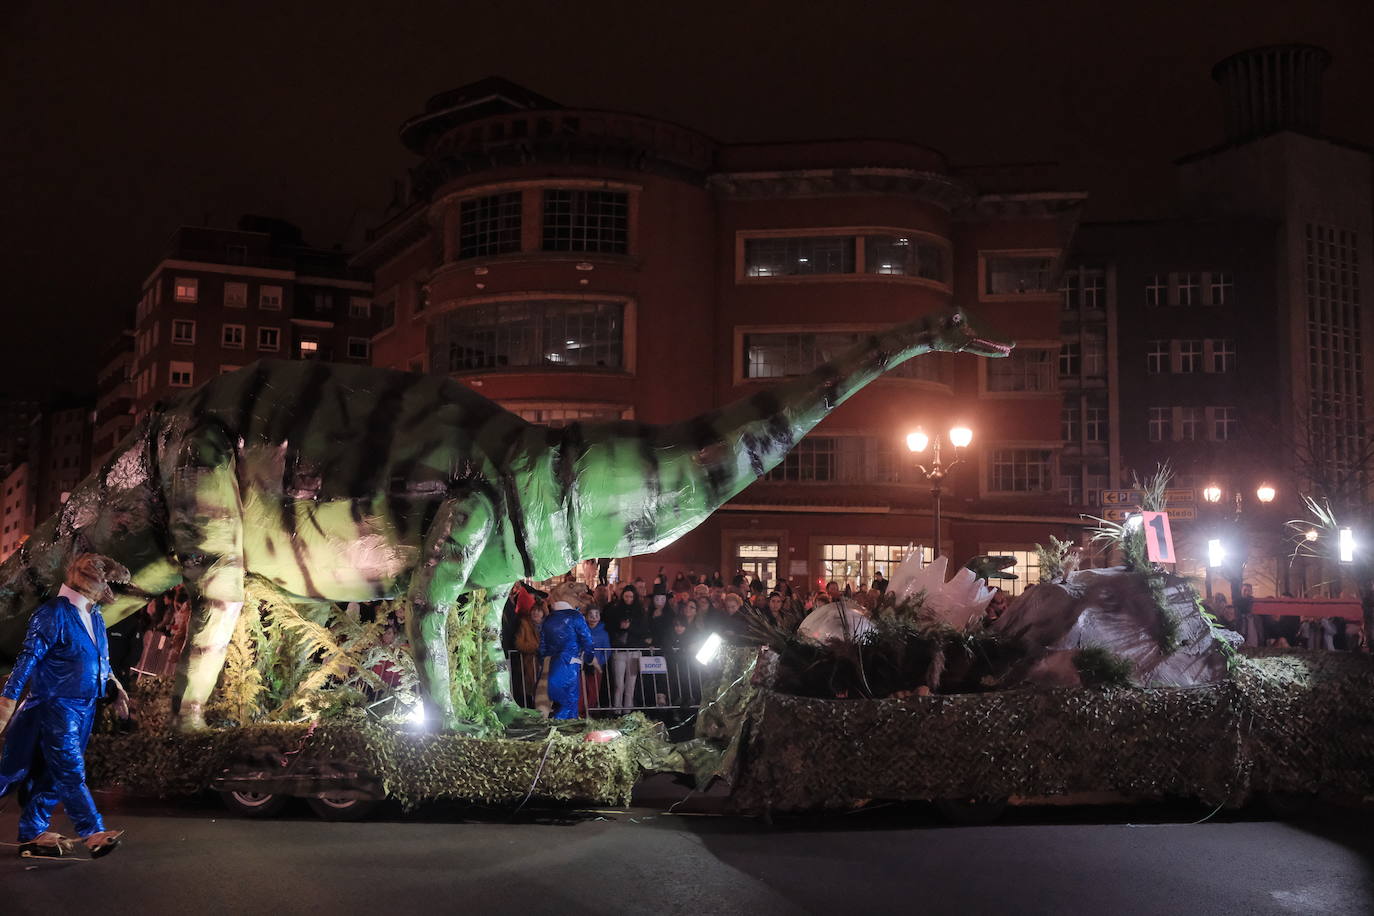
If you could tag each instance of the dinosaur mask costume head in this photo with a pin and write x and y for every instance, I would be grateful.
(91, 574)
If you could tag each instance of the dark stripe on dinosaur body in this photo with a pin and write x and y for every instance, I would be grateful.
(369, 478)
(514, 511)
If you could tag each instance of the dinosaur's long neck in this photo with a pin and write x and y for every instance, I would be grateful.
(641, 487)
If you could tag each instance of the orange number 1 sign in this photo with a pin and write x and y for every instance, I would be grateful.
(1159, 540)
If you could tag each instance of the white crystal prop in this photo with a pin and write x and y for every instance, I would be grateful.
(959, 602)
(829, 622)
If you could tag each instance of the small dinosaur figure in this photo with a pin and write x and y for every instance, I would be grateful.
(345, 483)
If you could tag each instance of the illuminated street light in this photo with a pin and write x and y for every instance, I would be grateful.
(1347, 545)
(1265, 493)
(1311, 534)
(1212, 493)
(959, 437)
(1216, 553)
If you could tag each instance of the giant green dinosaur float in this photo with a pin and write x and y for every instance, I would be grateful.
(346, 483)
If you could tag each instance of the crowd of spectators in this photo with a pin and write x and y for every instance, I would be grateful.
(1287, 631)
(672, 619)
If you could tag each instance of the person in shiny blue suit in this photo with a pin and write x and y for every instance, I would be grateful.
(564, 640)
(65, 665)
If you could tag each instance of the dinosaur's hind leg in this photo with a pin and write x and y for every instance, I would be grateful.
(453, 543)
(207, 535)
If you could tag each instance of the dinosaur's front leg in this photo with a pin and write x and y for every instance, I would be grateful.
(206, 523)
(453, 543)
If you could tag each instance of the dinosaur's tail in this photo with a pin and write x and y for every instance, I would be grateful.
(117, 511)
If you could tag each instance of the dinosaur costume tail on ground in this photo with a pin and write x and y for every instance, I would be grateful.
(344, 483)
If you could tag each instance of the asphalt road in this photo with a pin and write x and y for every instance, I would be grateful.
(193, 858)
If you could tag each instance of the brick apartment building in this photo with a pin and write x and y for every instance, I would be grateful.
(16, 508)
(222, 298)
(1235, 331)
(114, 399)
(576, 264)
(62, 453)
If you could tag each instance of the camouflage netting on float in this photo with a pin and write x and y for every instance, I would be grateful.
(410, 767)
(1290, 721)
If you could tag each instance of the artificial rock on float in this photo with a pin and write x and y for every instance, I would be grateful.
(342, 483)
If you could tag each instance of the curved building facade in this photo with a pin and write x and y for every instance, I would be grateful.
(572, 264)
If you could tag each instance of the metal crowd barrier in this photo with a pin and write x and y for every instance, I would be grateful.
(630, 679)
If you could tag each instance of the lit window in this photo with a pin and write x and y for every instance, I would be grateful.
(779, 355)
(536, 334)
(187, 289)
(1157, 290)
(309, 349)
(904, 256)
(1224, 424)
(269, 298)
(359, 348)
(489, 225)
(591, 221)
(857, 565)
(1190, 423)
(1026, 568)
(183, 331)
(1157, 357)
(1223, 356)
(231, 336)
(269, 339)
(181, 375)
(799, 256)
(1188, 289)
(1161, 424)
(1026, 369)
(1020, 470)
(359, 307)
(1017, 274)
(236, 295)
(1189, 356)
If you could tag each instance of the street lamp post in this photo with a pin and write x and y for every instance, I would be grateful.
(1213, 493)
(917, 442)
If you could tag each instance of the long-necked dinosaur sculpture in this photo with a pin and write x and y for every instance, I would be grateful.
(346, 483)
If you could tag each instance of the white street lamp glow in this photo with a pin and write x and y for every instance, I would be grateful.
(1212, 493)
(1216, 554)
(1265, 493)
(917, 441)
(960, 436)
(709, 649)
(1311, 534)
(1347, 545)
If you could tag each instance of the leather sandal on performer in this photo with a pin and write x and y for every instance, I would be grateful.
(47, 845)
(103, 843)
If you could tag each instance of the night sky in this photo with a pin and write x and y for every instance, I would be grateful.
(121, 121)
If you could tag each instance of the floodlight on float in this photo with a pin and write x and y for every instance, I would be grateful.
(709, 649)
(917, 441)
(1311, 534)
(960, 436)
(1212, 493)
(417, 714)
(1347, 545)
(1216, 553)
(1265, 493)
